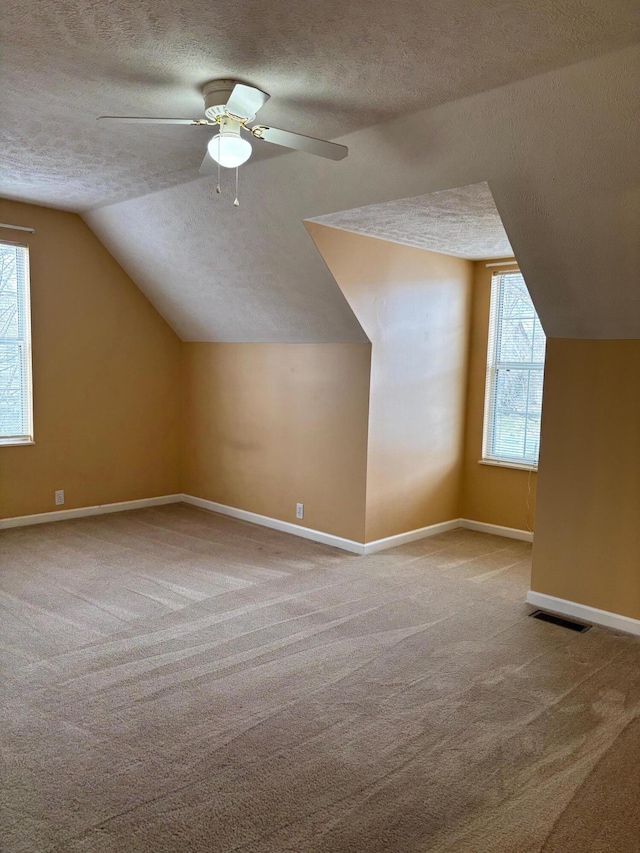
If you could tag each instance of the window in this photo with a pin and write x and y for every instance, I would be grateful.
(16, 420)
(515, 368)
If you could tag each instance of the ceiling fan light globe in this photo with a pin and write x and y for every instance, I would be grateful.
(229, 149)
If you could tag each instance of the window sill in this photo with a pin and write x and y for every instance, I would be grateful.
(9, 443)
(517, 465)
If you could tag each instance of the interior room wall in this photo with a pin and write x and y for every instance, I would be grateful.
(272, 425)
(414, 306)
(587, 542)
(491, 494)
(106, 376)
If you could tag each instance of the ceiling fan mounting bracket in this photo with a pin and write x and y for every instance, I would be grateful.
(216, 93)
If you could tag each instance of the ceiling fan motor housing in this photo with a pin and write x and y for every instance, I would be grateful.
(216, 94)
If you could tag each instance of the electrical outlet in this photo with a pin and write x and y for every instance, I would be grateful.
(299, 510)
(59, 493)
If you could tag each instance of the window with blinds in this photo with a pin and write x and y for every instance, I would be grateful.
(16, 419)
(515, 369)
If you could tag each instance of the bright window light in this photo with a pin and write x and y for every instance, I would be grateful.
(515, 370)
(16, 406)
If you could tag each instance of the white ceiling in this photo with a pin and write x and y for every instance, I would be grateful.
(463, 222)
(559, 152)
(406, 85)
(331, 67)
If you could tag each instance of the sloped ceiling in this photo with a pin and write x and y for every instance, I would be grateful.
(331, 67)
(558, 151)
(407, 86)
(463, 222)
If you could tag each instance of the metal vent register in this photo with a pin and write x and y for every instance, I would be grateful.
(580, 627)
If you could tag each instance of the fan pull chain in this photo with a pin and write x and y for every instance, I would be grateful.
(218, 184)
(236, 202)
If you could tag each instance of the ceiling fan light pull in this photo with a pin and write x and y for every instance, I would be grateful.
(236, 203)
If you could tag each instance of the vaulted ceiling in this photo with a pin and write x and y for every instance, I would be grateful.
(427, 96)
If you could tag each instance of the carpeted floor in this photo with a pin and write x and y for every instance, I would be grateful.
(178, 681)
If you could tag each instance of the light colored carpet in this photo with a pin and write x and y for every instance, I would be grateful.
(178, 681)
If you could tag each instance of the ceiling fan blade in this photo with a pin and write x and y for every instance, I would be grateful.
(150, 120)
(330, 150)
(208, 165)
(245, 101)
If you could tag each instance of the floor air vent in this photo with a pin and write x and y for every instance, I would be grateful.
(580, 627)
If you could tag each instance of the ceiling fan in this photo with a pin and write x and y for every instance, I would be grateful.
(231, 106)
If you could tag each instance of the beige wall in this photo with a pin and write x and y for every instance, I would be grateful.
(106, 376)
(268, 425)
(504, 496)
(271, 425)
(587, 544)
(414, 306)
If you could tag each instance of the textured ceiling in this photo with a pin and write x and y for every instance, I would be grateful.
(463, 222)
(406, 85)
(559, 152)
(331, 67)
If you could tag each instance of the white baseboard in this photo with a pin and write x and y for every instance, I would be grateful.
(317, 535)
(80, 512)
(277, 524)
(351, 545)
(497, 530)
(274, 523)
(411, 536)
(583, 612)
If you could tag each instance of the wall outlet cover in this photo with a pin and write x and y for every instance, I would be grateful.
(299, 510)
(59, 497)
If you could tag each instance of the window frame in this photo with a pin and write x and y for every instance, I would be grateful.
(24, 341)
(493, 365)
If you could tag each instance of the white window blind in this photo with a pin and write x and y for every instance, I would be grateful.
(515, 369)
(16, 419)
